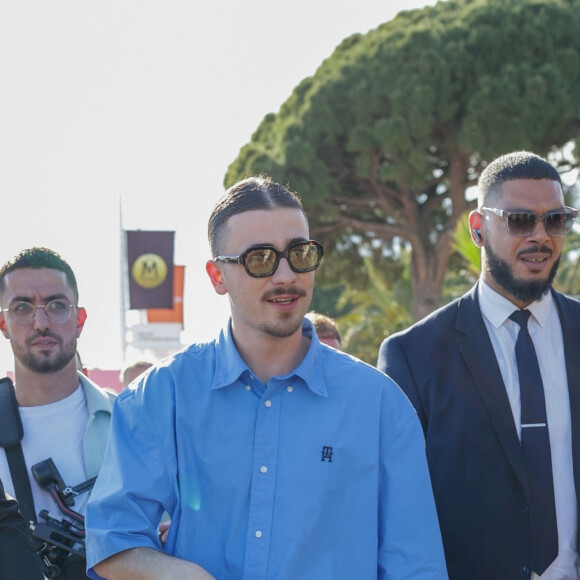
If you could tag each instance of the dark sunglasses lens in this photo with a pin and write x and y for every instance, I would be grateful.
(559, 224)
(304, 257)
(261, 261)
(521, 223)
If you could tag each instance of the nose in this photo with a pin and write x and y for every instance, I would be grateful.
(283, 273)
(40, 318)
(539, 233)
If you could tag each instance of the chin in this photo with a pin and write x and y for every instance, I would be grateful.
(527, 288)
(283, 330)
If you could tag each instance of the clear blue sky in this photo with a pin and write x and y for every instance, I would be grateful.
(148, 102)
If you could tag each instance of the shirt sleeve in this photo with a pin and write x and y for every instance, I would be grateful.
(410, 543)
(137, 480)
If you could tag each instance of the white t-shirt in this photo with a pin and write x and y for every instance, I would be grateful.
(57, 431)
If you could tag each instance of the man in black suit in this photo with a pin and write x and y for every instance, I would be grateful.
(459, 367)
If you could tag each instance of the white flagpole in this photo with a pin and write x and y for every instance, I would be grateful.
(123, 283)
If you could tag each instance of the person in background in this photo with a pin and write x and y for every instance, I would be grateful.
(495, 379)
(275, 457)
(64, 415)
(326, 329)
(132, 371)
(18, 560)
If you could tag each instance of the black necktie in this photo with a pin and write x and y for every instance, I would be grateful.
(535, 443)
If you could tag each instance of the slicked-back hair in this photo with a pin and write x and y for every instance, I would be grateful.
(252, 193)
(39, 258)
(516, 165)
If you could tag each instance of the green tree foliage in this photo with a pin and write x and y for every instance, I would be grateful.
(373, 314)
(568, 277)
(366, 314)
(383, 141)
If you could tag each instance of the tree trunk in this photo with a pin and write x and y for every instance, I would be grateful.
(428, 266)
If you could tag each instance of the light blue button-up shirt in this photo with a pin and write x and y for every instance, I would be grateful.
(318, 475)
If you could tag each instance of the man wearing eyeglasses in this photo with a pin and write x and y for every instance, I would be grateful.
(495, 379)
(64, 415)
(277, 457)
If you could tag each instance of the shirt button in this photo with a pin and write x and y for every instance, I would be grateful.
(290, 388)
(258, 534)
(263, 469)
(268, 403)
(526, 509)
(248, 387)
(525, 572)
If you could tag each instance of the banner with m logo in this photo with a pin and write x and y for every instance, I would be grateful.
(150, 267)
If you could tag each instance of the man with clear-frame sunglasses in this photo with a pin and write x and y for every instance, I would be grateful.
(495, 378)
(277, 457)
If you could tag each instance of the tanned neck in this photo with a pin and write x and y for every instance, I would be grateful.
(34, 389)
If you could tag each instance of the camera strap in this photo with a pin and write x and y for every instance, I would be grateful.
(11, 434)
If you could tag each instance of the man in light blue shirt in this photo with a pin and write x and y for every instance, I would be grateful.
(276, 457)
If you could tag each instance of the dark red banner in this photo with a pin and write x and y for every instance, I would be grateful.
(150, 264)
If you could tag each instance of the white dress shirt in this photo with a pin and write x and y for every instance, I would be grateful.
(546, 332)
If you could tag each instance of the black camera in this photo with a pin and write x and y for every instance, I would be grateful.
(57, 537)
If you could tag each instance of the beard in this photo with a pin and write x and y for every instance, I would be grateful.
(288, 323)
(525, 291)
(42, 363)
(283, 328)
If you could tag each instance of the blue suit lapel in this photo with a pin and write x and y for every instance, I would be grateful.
(473, 342)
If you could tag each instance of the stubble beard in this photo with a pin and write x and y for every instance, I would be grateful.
(288, 323)
(45, 363)
(286, 327)
(525, 291)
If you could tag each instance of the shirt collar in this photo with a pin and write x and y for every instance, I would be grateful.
(311, 369)
(97, 398)
(497, 309)
(230, 366)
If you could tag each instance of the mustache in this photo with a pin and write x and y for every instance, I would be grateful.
(284, 291)
(540, 250)
(44, 334)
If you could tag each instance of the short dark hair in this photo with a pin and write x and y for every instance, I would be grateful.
(39, 258)
(516, 165)
(252, 193)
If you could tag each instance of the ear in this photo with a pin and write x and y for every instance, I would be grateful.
(215, 275)
(3, 326)
(81, 318)
(476, 228)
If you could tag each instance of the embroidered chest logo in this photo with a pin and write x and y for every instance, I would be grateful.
(327, 453)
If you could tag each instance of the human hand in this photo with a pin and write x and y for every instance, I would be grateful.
(164, 531)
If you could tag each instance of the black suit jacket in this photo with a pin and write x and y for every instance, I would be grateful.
(447, 367)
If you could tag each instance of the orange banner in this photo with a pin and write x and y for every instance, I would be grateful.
(174, 314)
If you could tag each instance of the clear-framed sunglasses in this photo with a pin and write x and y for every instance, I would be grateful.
(519, 222)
